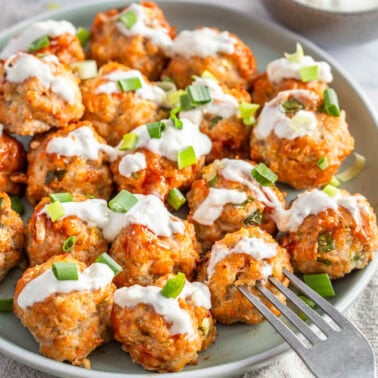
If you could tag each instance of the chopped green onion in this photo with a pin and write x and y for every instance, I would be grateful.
(17, 205)
(246, 112)
(168, 79)
(167, 86)
(334, 182)
(175, 198)
(263, 175)
(326, 242)
(90, 196)
(104, 258)
(129, 142)
(199, 94)
(308, 73)
(69, 244)
(83, 35)
(320, 283)
(173, 98)
(297, 56)
(185, 102)
(308, 302)
(128, 18)
(55, 211)
(331, 191)
(174, 286)
(39, 43)
(186, 157)
(255, 218)
(129, 84)
(353, 171)
(61, 197)
(214, 121)
(155, 128)
(204, 326)
(322, 163)
(65, 271)
(208, 75)
(123, 202)
(213, 181)
(292, 105)
(331, 102)
(1, 202)
(177, 123)
(87, 69)
(6, 304)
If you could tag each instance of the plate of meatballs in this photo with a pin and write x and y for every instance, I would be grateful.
(153, 158)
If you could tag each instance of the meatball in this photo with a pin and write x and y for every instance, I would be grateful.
(45, 238)
(11, 236)
(12, 164)
(302, 145)
(71, 159)
(219, 119)
(227, 197)
(37, 94)
(333, 235)
(113, 112)
(136, 36)
(48, 37)
(204, 49)
(69, 319)
(153, 166)
(160, 333)
(153, 243)
(242, 258)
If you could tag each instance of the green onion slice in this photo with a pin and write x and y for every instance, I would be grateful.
(83, 35)
(320, 283)
(65, 271)
(263, 175)
(174, 286)
(186, 157)
(331, 102)
(6, 304)
(246, 112)
(353, 171)
(173, 98)
(69, 244)
(326, 243)
(186, 102)
(175, 198)
(297, 56)
(308, 302)
(214, 121)
(208, 75)
(104, 258)
(39, 43)
(292, 105)
(61, 197)
(123, 202)
(334, 182)
(331, 191)
(128, 18)
(129, 142)
(17, 205)
(177, 123)
(55, 211)
(308, 73)
(155, 128)
(87, 69)
(167, 79)
(129, 84)
(199, 94)
(322, 163)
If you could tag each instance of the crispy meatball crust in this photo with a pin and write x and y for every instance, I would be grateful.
(45, 238)
(115, 114)
(352, 247)
(295, 161)
(233, 217)
(145, 256)
(11, 236)
(228, 304)
(234, 70)
(12, 165)
(139, 52)
(51, 173)
(28, 108)
(68, 326)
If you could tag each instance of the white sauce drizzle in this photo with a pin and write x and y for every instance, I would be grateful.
(282, 68)
(202, 42)
(158, 35)
(132, 163)
(22, 66)
(94, 277)
(22, 41)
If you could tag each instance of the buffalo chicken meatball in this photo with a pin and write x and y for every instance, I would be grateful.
(114, 111)
(11, 236)
(48, 37)
(71, 159)
(301, 144)
(228, 198)
(71, 318)
(37, 94)
(204, 49)
(162, 158)
(242, 258)
(333, 235)
(136, 36)
(161, 333)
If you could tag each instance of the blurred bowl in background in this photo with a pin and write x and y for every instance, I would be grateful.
(329, 26)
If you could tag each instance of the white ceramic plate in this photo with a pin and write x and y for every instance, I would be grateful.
(238, 348)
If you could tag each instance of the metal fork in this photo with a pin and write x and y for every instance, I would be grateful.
(343, 352)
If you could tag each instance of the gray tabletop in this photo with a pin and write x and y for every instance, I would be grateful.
(361, 62)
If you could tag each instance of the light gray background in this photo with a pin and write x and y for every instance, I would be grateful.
(361, 62)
